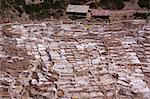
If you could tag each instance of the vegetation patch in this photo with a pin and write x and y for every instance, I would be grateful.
(144, 3)
(80, 2)
(74, 17)
(141, 15)
(44, 10)
(112, 4)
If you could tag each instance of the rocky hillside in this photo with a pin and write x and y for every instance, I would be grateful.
(13, 10)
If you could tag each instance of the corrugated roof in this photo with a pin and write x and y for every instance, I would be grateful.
(98, 12)
(77, 8)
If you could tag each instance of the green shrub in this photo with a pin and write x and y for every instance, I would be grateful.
(48, 1)
(106, 4)
(3, 4)
(20, 2)
(42, 14)
(57, 5)
(119, 4)
(80, 2)
(74, 17)
(45, 10)
(112, 4)
(18, 9)
(94, 5)
(46, 5)
(126, 0)
(140, 15)
(144, 3)
(32, 8)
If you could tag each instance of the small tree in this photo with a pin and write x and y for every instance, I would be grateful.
(32, 8)
(77, 1)
(57, 5)
(119, 4)
(94, 5)
(20, 2)
(126, 0)
(112, 4)
(144, 3)
(140, 15)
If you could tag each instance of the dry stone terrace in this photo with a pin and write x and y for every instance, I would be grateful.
(75, 60)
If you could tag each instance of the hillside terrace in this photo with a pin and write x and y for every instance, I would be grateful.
(74, 60)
